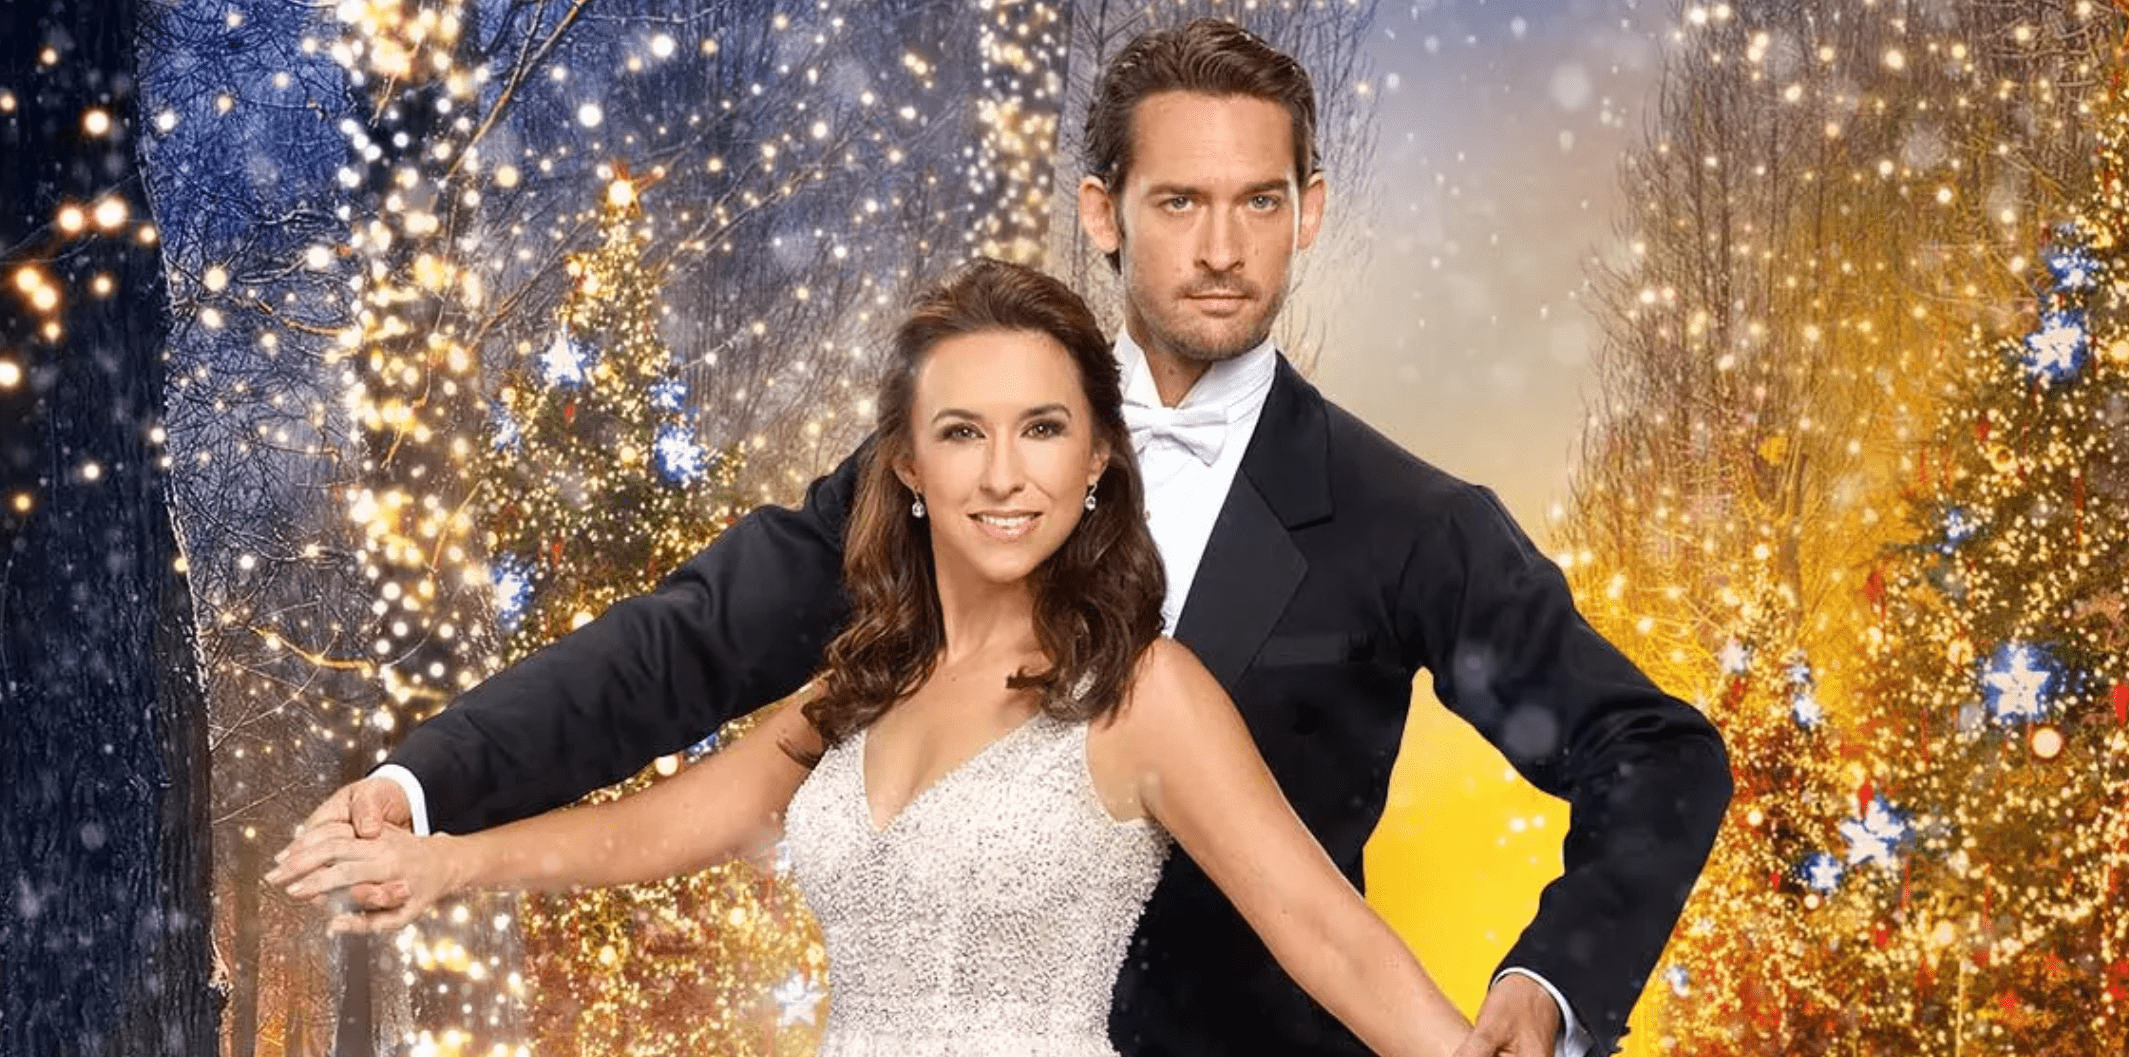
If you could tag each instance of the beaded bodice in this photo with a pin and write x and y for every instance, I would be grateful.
(989, 917)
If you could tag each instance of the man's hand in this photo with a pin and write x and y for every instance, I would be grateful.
(1518, 1018)
(363, 809)
(413, 871)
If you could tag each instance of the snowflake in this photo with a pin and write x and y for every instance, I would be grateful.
(563, 362)
(1678, 978)
(1877, 835)
(2074, 268)
(669, 394)
(513, 590)
(2017, 682)
(1807, 710)
(679, 458)
(797, 999)
(1821, 872)
(2057, 350)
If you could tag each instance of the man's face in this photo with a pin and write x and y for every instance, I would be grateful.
(1208, 221)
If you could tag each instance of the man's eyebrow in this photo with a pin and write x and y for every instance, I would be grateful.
(1164, 190)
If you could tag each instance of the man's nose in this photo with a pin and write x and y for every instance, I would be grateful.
(1220, 241)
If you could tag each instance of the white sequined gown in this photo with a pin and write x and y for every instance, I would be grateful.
(989, 917)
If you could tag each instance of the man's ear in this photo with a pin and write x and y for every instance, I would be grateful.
(1097, 215)
(1313, 194)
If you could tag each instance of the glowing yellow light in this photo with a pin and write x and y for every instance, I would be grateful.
(7, 102)
(102, 285)
(95, 121)
(22, 503)
(2047, 743)
(49, 56)
(1895, 59)
(90, 471)
(44, 298)
(10, 374)
(216, 279)
(224, 103)
(72, 219)
(621, 194)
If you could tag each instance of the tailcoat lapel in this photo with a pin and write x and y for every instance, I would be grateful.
(1251, 567)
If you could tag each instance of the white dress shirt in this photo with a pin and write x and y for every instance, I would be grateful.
(1188, 456)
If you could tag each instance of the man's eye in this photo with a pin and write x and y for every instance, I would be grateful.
(1265, 202)
(1175, 203)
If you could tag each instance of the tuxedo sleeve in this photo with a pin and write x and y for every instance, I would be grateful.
(741, 625)
(1645, 775)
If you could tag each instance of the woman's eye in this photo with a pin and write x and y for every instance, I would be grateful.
(1046, 429)
(961, 432)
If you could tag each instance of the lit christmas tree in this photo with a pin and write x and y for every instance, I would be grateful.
(597, 486)
(2003, 662)
(1823, 205)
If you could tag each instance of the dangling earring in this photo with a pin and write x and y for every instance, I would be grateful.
(916, 509)
(1090, 497)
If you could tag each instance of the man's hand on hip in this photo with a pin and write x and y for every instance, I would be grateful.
(1518, 1018)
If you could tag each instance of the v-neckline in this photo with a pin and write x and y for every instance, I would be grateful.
(872, 818)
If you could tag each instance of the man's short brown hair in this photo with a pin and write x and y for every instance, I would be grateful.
(1206, 56)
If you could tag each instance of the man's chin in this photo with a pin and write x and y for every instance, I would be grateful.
(1214, 347)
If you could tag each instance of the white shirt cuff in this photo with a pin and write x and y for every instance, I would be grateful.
(1573, 1041)
(417, 804)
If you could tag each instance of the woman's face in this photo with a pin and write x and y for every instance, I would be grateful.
(1004, 448)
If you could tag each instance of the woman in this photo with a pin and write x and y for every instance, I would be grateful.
(979, 792)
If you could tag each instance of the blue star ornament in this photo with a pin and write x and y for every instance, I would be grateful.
(2073, 268)
(2016, 684)
(1807, 711)
(669, 395)
(563, 362)
(1821, 872)
(2056, 351)
(1877, 835)
(679, 458)
(513, 590)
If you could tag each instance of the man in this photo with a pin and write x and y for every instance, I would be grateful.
(1312, 565)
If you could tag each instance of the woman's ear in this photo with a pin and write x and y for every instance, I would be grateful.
(905, 470)
(1101, 463)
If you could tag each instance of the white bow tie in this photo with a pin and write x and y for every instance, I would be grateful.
(1200, 430)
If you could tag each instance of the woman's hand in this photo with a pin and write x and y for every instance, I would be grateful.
(410, 873)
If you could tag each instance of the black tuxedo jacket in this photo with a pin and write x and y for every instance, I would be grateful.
(1338, 567)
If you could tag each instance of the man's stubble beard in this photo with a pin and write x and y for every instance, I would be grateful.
(1172, 341)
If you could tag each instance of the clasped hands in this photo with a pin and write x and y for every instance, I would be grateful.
(358, 852)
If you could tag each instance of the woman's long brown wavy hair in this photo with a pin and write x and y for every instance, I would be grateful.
(1097, 600)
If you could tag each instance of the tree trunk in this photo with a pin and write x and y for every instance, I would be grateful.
(104, 944)
(244, 1028)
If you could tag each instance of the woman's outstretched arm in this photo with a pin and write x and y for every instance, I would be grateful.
(1199, 774)
(729, 806)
